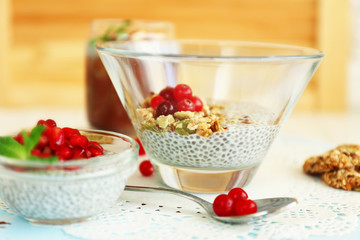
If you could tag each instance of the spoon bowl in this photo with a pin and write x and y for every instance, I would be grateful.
(265, 207)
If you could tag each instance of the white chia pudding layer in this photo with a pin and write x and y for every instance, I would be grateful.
(249, 133)
(61, 200)
(66, 193)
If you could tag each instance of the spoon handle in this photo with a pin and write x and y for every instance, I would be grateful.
(205, 204)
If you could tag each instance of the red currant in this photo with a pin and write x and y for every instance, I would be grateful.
(47, 150)
(93, 144)
(41, 122)
(64, 153)
(141, 148)
(50, 123)
(47, 123)
(198, 103)
(186, 105)
(78, 152)
(165, 108)
(167, 93)
(36, 152)
(88, 153)
(95, 151)
(19, 138)
(146, 168)
(244, 207)
(223, 205)
(70, 132)
(182, 91)
(237, 193)
(56, 138)
(156, 100)
(79, 140)
(43, 141)
(72, 168)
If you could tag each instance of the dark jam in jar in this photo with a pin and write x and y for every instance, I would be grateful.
(104, 109)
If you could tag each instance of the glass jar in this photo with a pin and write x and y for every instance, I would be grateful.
(104, 109)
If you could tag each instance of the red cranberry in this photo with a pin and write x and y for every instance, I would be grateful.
(167, 93)
(141, 148)
(182, 91)
(198, 103)
(165, 108)
(186, 105)
(237, 193)
(223, 205)
(79, 140)
(244, 207)
(146, 168)
(156, 100)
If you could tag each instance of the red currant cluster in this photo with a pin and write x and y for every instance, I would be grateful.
(171, 100)
(235, 203)
(65, 143)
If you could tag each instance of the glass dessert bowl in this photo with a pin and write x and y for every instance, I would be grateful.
(70, 191)
(247, 90)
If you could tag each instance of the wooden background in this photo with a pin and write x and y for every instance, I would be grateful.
(42, 43)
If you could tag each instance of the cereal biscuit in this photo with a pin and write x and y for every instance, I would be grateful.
(348, 179)
(345, 156)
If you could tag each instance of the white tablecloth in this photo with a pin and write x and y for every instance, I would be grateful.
(322, 212)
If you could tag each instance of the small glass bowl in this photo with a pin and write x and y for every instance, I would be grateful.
(71, 191)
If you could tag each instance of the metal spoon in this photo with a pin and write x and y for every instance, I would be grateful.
(265, 207)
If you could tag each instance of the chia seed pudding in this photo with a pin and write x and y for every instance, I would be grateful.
(72, 191)
(242, 140)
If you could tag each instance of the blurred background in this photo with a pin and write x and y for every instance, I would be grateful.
(43, 43)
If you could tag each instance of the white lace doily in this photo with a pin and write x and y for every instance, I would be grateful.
(322, 210)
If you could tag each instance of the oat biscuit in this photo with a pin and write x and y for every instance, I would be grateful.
(345, 156)
(348, 179)
(338, 167)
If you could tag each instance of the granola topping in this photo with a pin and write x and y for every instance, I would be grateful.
(203, 123)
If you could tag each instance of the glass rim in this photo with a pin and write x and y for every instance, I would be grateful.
(134, 146)
(316, 54)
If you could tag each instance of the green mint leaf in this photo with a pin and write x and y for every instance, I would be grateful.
(9, 147)
(30, 141)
